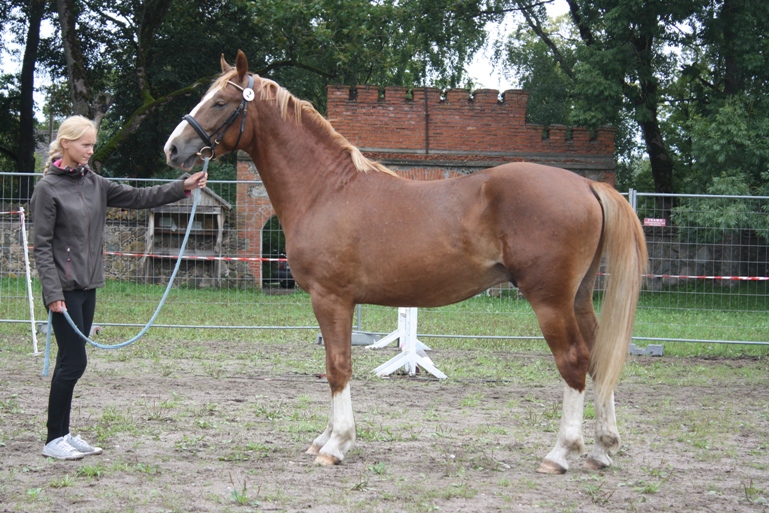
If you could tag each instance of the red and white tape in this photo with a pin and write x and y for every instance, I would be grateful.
(194, 257)
(689, 277)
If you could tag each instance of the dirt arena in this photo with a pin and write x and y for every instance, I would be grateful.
(223, 426)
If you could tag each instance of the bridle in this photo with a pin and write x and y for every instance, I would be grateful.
(248, 95)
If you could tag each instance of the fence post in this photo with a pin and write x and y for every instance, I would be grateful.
(29, 279)
(633, 198)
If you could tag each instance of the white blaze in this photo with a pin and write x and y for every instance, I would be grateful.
(181, 126)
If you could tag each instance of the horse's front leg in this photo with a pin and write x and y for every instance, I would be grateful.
(335, 319)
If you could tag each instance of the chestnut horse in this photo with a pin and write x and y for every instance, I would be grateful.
(357, 233)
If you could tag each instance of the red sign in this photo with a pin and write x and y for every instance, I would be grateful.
(651, 221)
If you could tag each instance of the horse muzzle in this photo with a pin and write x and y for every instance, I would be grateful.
(184, 155)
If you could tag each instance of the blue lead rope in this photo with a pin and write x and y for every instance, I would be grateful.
(46, 362)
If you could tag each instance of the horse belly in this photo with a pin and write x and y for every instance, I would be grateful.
(428, 280)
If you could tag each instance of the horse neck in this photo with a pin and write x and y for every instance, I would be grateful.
(298, 163)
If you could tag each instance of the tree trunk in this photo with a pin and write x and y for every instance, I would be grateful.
(646, 101)
(661, 163)
(733, 80)
(78, 81)
(151, 19)
(27, 137)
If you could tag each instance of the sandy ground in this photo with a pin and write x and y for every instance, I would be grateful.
(215, 430)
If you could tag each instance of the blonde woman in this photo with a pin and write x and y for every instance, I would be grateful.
(69, 207)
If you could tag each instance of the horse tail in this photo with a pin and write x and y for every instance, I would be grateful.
(624, 247)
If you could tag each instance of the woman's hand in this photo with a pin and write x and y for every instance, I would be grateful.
(198, 180)
(57, 307)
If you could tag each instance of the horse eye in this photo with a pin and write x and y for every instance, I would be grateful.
(221, 103)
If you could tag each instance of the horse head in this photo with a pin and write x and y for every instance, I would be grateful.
(206, 130)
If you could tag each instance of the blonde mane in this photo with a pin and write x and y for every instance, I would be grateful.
(270, 91)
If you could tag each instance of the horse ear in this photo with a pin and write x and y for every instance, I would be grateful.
(225, 67)
(241, 64)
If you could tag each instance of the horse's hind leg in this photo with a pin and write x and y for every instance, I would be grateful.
(570, 441)
(562, 334)
(335, 319)
(607, 440)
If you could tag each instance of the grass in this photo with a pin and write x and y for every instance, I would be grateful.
(701, 311)
(63, 482)
(91, 471)
(754, 494)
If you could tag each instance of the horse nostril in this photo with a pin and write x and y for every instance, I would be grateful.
(172, 152)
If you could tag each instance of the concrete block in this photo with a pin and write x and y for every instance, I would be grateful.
(359, 338)
(650, 350)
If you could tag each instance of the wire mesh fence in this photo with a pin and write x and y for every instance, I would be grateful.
(708, 268)
(708, 276)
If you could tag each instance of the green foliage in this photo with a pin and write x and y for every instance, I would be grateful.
(636, 174)
(92, 471)
(684, 82)
(9, 122)
(144, 54)
(550, 87)
(729, 148)
(65, 481)
(688, 79)
(713, 219)
(273, 239)
(273, 245)
(571, 84)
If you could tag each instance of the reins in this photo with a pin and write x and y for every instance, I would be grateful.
(46, 362)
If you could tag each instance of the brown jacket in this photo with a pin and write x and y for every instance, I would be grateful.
(69, 210)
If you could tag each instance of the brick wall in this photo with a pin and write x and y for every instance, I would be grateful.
(483, 125)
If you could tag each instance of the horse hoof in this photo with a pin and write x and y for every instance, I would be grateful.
(593, 464)
(314, 450)
(326, 461)
(550, 467)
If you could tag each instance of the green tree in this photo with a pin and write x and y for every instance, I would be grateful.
(545, 67)
(544, 53)
(21, 21)
(691, 76)
(9, 121)
(620, 66)
(719, 106)
(137, 66)
(34, 12)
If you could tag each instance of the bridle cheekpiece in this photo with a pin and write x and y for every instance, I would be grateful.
(210, 146)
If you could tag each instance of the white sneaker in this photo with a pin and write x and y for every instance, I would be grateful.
(59, 448)
(82, 446)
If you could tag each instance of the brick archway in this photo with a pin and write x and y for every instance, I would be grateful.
(254, 210)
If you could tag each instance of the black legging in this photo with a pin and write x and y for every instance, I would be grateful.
(71, 359)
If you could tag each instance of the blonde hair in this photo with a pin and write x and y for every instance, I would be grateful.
(71, 129)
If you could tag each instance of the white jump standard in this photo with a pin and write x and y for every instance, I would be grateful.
(412, 350)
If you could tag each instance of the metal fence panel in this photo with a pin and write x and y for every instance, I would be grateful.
(707, 280)
(708, 268)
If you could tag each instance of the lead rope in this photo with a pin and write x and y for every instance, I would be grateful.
(46, 363)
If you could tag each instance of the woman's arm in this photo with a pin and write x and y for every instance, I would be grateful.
(125, 196)
(44, 208)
